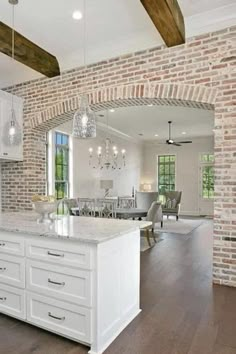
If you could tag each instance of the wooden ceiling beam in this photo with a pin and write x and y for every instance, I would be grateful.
(168, 19)
(28, 53)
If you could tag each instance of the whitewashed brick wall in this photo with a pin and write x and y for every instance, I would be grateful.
(201, 73)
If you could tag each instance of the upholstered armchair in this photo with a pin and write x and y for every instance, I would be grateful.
(172, 204)
(154, 215)
(144, 199)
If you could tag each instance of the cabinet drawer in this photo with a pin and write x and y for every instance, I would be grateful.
(60, 317)
(12, 270)
(12, 301)
(11, 244)
(72, 285)
(68, 253)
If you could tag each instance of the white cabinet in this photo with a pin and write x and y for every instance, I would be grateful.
(60, 317)
(87, 292)
(10, 152)
(12, 301)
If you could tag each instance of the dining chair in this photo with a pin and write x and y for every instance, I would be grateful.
(126, 202)
(86, 206)
(106, 208)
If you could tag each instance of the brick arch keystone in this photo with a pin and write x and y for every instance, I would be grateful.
(127, 95)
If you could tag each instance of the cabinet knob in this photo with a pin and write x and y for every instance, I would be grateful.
(3, 299)
(3, 269)
(2, 244)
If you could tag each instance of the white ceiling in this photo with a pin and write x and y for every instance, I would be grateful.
(149, 121)
(113, 28)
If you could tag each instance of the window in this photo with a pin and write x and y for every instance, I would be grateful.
(166, 173)
(61, 165)
(207, 158)
(207, 175)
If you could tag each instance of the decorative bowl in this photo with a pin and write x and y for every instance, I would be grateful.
(45, 209)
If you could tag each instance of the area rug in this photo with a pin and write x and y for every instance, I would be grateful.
(182, 226)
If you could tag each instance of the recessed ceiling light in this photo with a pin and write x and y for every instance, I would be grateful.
(183, 133)
(150, 105)
(112, 110)
(77, 15)
(156, 135)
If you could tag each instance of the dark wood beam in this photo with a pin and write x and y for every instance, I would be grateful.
(28, 53)
(168, 19)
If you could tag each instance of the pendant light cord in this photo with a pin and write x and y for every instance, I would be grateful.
(84, 40)
(13, 51)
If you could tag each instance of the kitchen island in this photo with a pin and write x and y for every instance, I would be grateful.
(79, 277)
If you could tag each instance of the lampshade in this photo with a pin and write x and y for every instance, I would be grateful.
(84, 122)
(147, 187)
(106, 184)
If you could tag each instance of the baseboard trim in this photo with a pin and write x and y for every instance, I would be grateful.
(189, 213)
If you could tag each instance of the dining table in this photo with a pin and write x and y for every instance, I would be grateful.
(122, 213)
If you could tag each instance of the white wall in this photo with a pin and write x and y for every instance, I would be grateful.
(86, 180)
(0, 187)
(187, 172)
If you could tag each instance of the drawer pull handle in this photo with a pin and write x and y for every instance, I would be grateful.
(3, 299)
(55, 317)
(56, 283)
(2, 244)
(3, 269)
(55, 254)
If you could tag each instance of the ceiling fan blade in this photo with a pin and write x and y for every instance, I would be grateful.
(185, 142)
(176, 144)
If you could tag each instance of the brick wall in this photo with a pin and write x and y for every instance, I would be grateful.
(202, 72)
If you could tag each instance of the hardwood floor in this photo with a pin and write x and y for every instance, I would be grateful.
(182, 312)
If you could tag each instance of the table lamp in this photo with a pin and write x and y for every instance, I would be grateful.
(147, 187)
(106, 184)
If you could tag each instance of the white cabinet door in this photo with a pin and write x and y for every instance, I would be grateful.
(10, 152)
(60, 317)
(12, 301)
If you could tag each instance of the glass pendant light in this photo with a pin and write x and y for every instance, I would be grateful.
(12, 129)
(84, 120)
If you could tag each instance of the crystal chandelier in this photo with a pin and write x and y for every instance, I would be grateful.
(12, 130)
(84, 120)
(107, 155)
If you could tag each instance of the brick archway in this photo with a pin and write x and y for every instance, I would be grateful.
(130, 95)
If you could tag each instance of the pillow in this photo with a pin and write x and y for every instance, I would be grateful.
(173, 203)
(170, 203)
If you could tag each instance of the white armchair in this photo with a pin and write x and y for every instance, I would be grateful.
(154, 215)
(144, 199)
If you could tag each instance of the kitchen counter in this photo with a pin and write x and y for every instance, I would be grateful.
(83, 229)
(78, 277)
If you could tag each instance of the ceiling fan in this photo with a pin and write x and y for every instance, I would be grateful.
(170, 141)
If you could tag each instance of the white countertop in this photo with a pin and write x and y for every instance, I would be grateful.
(76, 228)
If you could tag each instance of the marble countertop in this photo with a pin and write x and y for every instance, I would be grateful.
(76, 228)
